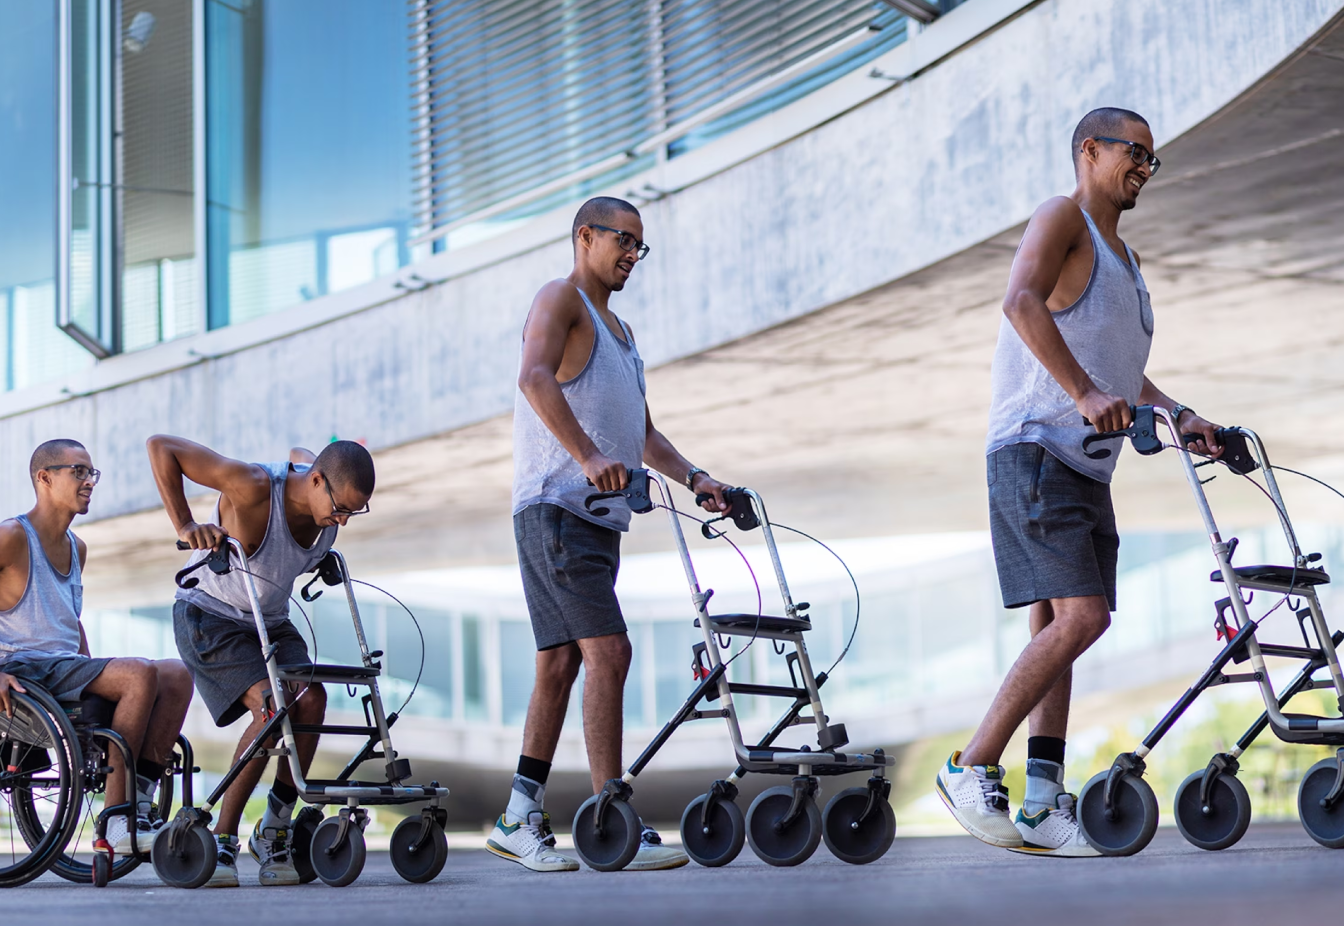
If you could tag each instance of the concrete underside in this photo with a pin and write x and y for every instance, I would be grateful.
(1274, 875)
(867, 418)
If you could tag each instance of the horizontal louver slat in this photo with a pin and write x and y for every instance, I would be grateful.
(511, 96)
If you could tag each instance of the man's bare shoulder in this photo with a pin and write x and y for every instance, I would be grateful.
(82, 549)
(556, 303)
(1059, 213)
(13, 542)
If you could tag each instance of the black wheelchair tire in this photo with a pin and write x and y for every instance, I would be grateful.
(45, 843)
(301, 843)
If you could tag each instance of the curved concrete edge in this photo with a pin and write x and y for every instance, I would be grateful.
(916, 174)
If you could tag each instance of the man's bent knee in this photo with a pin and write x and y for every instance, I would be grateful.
(557, 668)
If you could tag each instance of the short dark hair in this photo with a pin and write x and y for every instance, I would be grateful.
(51, 453)
(345, 463)
(600, 210)
(1108, 121)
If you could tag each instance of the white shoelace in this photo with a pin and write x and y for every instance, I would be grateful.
(993, 797)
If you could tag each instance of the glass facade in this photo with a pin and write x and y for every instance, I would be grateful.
(308, 157)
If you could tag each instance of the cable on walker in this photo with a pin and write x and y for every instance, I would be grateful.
(333, 848)
(783, 825)
(1117, 809)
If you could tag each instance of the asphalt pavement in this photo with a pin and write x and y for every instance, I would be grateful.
(1275, 876)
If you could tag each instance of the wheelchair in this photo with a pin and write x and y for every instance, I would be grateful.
(783, 825)
(331, 848)
(53, 769)
(1117, 809)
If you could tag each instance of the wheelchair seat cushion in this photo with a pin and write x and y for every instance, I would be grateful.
(64, 677)
(91, 710)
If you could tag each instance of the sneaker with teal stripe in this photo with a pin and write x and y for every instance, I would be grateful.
(530, 844)
(1054, 831)
(978, 799)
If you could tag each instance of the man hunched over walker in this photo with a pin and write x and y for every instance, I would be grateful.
(286, 516)
(580, 423)
(1072, 346)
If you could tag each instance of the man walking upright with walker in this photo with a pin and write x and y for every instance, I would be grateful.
(580, 424)
(1072, 348)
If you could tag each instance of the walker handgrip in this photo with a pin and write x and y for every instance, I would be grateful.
(1142, 433)
(218, 561)
(636, 494)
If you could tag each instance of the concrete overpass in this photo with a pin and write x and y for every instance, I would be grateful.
(822, 304)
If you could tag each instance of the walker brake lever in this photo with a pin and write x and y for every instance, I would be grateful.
(741, 511)
(328, 571)
(218, 561)
(636, 494)
(1142, 433)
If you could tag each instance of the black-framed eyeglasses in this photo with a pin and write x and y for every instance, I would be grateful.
(1137, 152)
(81, 472)
(626, 241)
(336, 510)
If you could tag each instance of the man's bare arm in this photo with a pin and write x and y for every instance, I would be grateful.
(662, 456)
(555, 312)
(173, 458)
(1189, 423)
(1050, 236)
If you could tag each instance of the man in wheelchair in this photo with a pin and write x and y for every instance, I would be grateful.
(42, 641)
(286, 516)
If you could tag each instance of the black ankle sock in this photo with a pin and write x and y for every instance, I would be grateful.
(147, 769)
(535, 769)
(286, 794)
(1049, 748)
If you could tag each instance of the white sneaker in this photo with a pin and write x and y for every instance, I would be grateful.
(977, 798)
(1054, 831)
(226, 863)
(270, 847)
(530, 844)
(120, 838)
(653, 855)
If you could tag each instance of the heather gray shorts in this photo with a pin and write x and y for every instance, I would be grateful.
(569, 568)
(224, 656)
(1053, 528)
(63, 677)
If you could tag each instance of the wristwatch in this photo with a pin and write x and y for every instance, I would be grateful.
(1179, 410)
(691, 474)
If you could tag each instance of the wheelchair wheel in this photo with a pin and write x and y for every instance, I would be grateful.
(1228, 817)
(343, 866)
(851, 840)
(423, 864)
(715, 841)
(191, 863)
(102, 869)
(301, 843)
(40, 785)
(614, 847)
(782, 846)
(1323, 824)
(1134, 821)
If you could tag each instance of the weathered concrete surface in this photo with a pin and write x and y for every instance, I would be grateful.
(918, 174)
(1274, 875)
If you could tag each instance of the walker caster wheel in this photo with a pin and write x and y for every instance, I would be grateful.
(343, 865)
(1130, 824)
(611, 845)
(1323, 824)
(423, 863)
(776, 843)
(187, 861)
(717, 840)
(1228, 816)
(102, 868)
(301, 843)
(854, 841)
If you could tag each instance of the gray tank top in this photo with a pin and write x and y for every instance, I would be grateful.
(607, 397)
(1109, 330)
(46, 619)
(278, 562)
